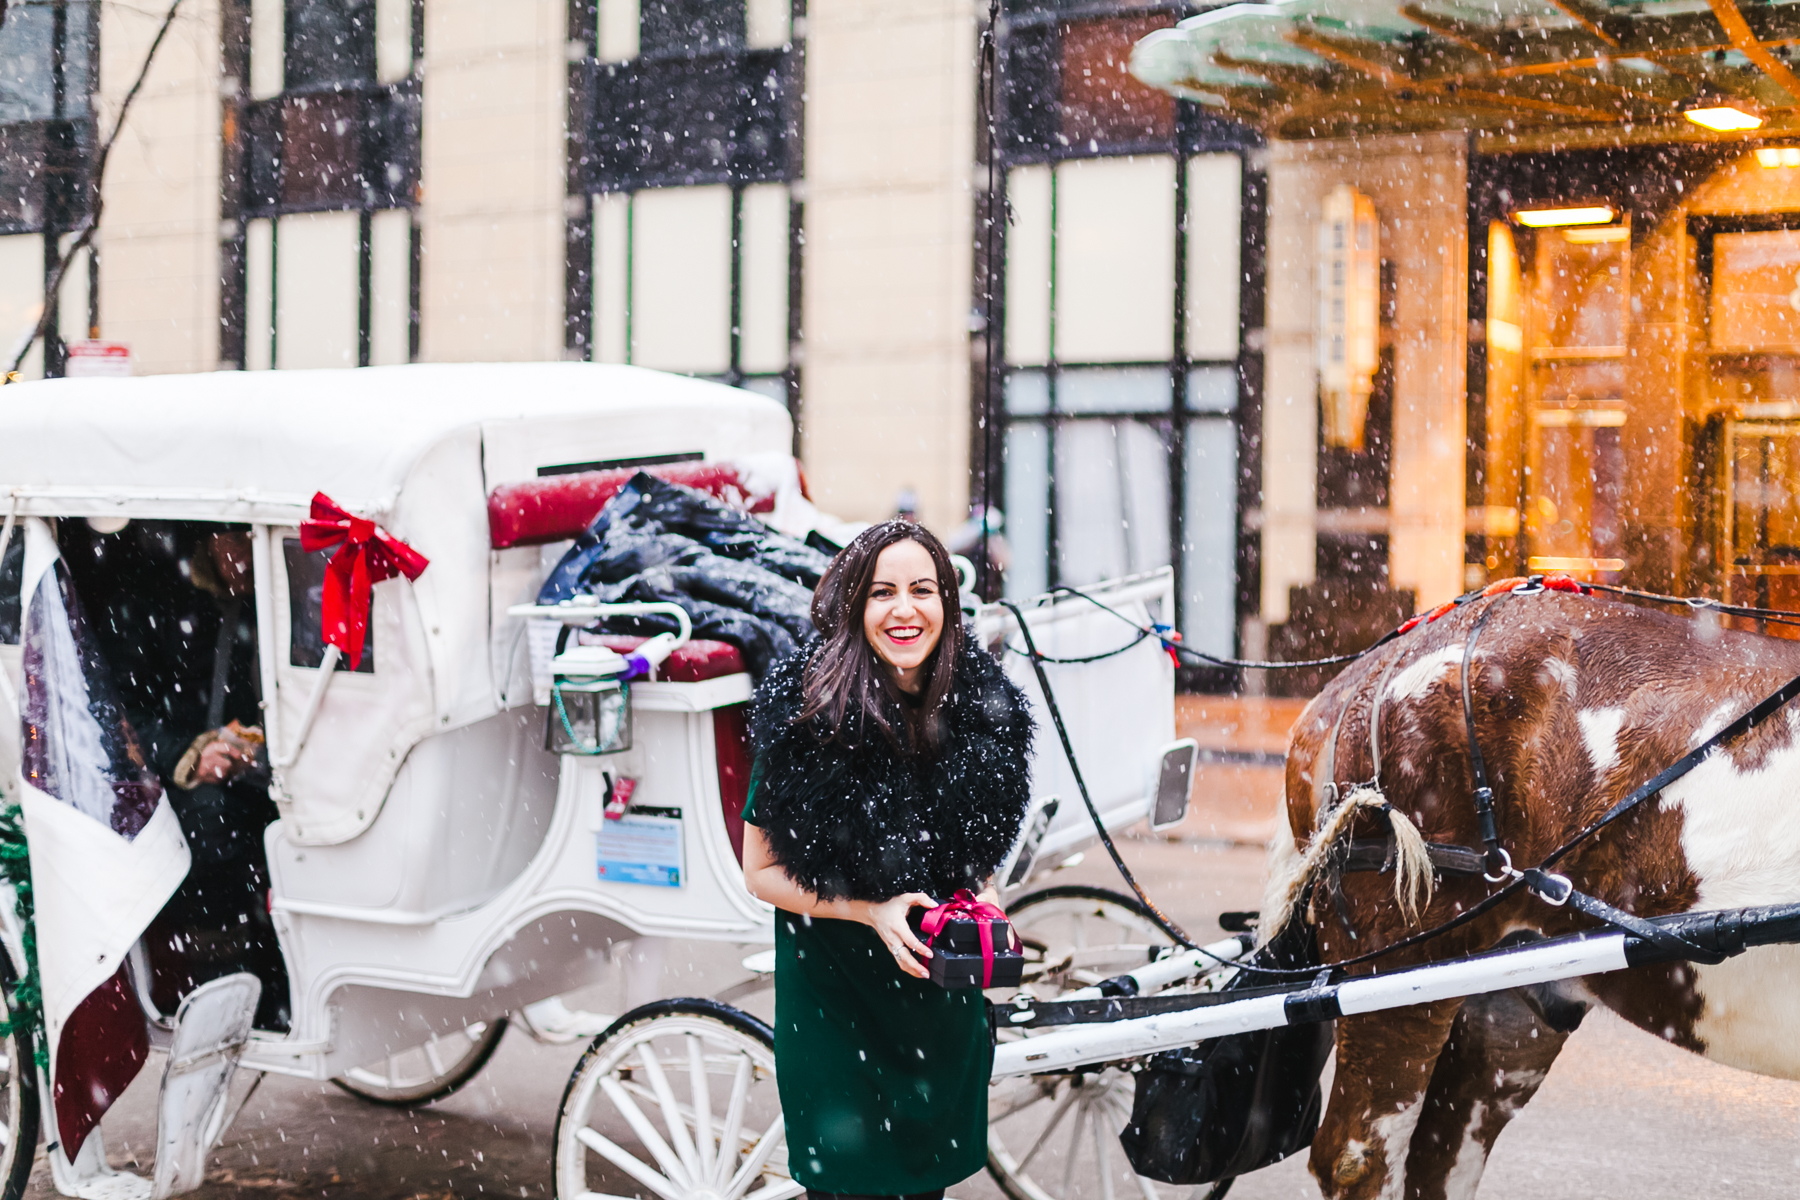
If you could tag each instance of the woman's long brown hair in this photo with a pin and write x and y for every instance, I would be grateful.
(846, 681)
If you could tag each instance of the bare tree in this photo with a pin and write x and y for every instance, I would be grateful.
(85, 234)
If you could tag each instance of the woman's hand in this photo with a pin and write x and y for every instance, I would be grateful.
(769, 883)
(888, 919)
(221, 762)
(991, 895)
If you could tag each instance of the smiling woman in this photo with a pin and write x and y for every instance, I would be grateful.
(891, 768)
(903, 618)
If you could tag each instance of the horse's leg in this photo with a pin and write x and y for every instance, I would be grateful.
(1384, 1064)
(1498, 1052)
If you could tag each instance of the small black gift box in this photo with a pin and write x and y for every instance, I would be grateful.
(957, 958)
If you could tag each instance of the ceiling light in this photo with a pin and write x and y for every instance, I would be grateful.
(1724, 118)
(1779, 156)
(1585, 214)
(1608, 233)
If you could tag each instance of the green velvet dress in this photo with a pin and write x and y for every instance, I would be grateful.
(883, 1077)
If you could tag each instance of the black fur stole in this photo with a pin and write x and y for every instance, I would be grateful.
(867, 822)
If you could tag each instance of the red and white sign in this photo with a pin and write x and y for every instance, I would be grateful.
(98, 360)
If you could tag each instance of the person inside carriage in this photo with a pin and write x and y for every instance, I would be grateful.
(173, 607)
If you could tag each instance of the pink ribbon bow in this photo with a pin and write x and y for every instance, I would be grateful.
(369, 555)
(965, 904)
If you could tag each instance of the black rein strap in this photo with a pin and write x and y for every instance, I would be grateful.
(1483, 796)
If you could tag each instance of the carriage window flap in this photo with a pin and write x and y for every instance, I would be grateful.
(12, 566)
(306, 604)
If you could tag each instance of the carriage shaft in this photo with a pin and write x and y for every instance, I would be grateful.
(1545, 962)
(1725, 931)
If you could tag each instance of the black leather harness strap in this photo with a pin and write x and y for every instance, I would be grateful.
(1497, 860)
(1556, 890)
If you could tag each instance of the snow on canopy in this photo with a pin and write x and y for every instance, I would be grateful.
(255, 445)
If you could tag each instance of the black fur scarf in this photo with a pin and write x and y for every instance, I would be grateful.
(867, 822)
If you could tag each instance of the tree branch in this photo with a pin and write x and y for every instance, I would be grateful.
(85, 237)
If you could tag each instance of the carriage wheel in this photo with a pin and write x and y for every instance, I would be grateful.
(429, 1071)
(18, 1096)
(1055, 1137)
(677, 1100)
(1076, 935)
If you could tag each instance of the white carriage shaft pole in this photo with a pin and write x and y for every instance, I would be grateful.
(1174, 968)
(1103, 1042)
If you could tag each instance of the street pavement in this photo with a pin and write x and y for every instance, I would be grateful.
(1622, 1115)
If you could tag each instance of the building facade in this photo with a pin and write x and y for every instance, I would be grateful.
(790, 196)
(1588, 220)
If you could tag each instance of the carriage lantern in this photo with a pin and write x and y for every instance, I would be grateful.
(590, 705)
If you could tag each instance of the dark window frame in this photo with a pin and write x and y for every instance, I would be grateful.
(755, 97)
(49, 161)
(1027, 97)
(377, 127)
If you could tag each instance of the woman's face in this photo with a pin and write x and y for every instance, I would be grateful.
(905, 614)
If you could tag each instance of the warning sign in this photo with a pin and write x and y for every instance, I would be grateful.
(98, 360)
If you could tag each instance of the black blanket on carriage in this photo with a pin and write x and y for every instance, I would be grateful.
(739, 580)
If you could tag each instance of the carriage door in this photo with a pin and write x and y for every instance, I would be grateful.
(1575, 313)
(1760, 526)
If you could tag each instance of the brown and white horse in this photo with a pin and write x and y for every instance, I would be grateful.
(1577, 700)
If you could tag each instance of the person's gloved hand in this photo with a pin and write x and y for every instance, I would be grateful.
(220, 761)
(219, 756)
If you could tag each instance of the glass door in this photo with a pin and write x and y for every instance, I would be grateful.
(1760, 525)
(1574, 384)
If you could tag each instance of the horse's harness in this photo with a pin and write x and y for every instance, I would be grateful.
(1492, 862)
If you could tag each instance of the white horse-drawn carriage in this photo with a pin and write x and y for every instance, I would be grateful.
(433, 866)
(471, 798)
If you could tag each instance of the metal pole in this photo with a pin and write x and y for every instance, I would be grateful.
(1564, 958)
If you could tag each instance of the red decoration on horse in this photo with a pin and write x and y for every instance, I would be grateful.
(369, 555)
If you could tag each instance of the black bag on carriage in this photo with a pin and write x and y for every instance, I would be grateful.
(1234, 1104)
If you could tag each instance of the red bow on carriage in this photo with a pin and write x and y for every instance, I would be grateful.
(369, 555)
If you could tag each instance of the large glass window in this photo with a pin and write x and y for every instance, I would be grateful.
(1125, 380)
(683, 246)
(696, 279)
(1122, 454)
(329, 42)
(48, 56)
(322, 262)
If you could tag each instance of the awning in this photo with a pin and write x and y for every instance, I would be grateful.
(1512, 69)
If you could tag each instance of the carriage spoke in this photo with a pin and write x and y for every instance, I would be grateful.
(734, 1116)
(753, 1165)
(1101, 1158)
(1022, 1098)
(1074, 1149)
(1056, 1116)
(672, 1118)
(433, 1057)
(646, 1132)
(627, 1163)
(781, 1189)
(638, 1091)
(702, 1098)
